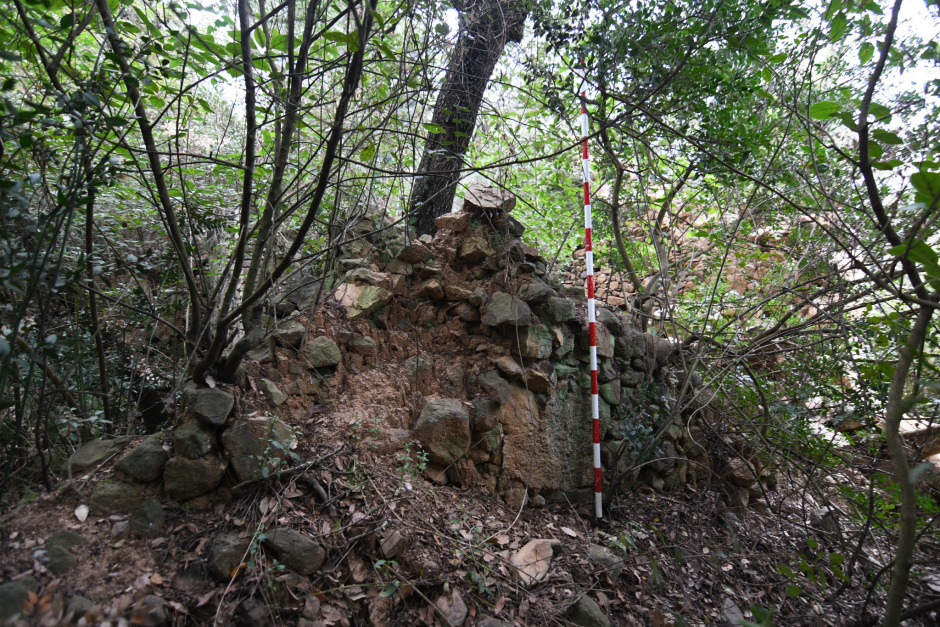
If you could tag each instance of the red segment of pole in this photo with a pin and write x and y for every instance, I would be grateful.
(592, 318)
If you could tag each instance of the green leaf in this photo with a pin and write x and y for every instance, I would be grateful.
(794, 591)
(279, 42)
(785, 570)
(884, 166)
(881, 112)
(388, 590)
(838, 26)
(367, 153)
(927, 185)
(778, 58)
(812, 543)
(823, 109)
(865, 52)
(91, 99)
(157, 102)
(836, 559)
(847, 119)
(875, 151)
(9, 56)
(920, 252)
(434, 129)
(887, 137)
(115, 121)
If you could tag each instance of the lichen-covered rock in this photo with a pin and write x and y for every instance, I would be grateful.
(145, 462)
(559, 310)
(272, 392)
(194, 439)
(290, 333)
(475, 250)
(322, 352)
(93, 453)
(211, 405)
(419, 365)
(536, 292)
(541, 378)
(14, 594)
(149, 519)
(506, 309)
(609, 319)
(256, 446)
(361, 300)
(534, 342)
(508, 366)
(587, 613)
(457, 292)
(185, 479)
(296, 551)
(60, 557)
(443, 430)
(113, 495)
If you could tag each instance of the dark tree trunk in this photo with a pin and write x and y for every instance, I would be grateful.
(485, 28)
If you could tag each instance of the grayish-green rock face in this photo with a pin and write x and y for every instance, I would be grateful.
(587, 613)
(194, 439)
(296, 551)
(145, 462)
(60, 557)
(560, 310)
(111, 494)
(536, 292)
(256, 446)
(609, 319)
(605, 561)
(14, 594)
(78, 606)
(272, 392)
(534, 343)
(371, 299)
(211, 405)
(475, 250)
(290, 333)
(443, 430)
(93, 453)
(506, 309)
(185, 479)
(225, 554)
(322, 352)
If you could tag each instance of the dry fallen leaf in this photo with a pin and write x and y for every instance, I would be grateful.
(156, 580)
(570, 532)
(81, 512)
(210, 381)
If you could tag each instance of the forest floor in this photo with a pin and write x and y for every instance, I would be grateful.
(398, 545)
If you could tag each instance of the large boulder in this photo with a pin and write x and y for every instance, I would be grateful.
(185, 479)
(14, 594)
(111, 495)
(559, 309)
(145, 462)
(322, 352)
(504, 308)
(211, 405)
(256, 446)
(443, 430)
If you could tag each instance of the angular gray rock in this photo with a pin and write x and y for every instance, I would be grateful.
(418, 365)
(452, 608)
(149, 519)
(111, 494)
(443, 430)
(534, 342)
(605, 561)
(536, 292)
(296, 551)
(211, 405)
(93, 453)
(497, 387)
(560, 310)
(194, 439)
(475, 250)
(322, 352)
(289, 333)
(504, 308)
(60, 557)
(150, 611)
(272, 392)
(78, 606)
(483, 196)
(256, 444)
(225, 555)
(185, 479)
(145, 462)
(587, 613)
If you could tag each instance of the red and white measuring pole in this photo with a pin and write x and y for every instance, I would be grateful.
(592, 317)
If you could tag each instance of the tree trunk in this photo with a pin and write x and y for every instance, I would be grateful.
(485, 28)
